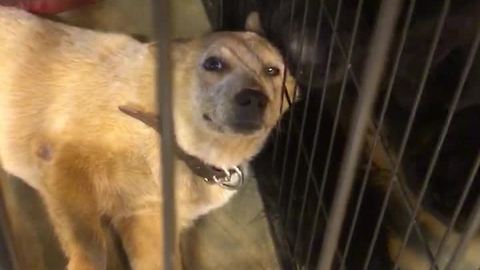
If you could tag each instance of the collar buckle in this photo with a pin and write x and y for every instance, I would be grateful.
(232, 179)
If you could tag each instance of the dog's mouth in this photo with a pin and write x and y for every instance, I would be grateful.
(212, 125)
(245, 127)
(235, 126)
(207, 117)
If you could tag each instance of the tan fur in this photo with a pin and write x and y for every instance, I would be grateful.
(62, 133)
(416, 257)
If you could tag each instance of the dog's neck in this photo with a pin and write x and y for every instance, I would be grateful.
(229, 178)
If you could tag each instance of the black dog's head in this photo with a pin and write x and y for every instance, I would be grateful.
(303, 30)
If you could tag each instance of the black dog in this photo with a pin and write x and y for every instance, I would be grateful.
(304, 30)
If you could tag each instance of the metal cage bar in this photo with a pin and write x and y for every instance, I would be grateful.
(374, 66)
(376, 137)
(339, 105)
(443, 135)
(161, 21)
(458, 208)
(283, 97)
(377, 142)
(472, 229)
(317, 128)
(377, 131)
(300, 146)
(290, 122)
(304, 117)
(408, 129)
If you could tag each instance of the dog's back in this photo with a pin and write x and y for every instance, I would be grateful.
(40, 60)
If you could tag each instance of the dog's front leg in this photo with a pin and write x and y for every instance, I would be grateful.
(142, 238)
(72, 204)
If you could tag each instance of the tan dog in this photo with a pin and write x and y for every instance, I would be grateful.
(62, 132)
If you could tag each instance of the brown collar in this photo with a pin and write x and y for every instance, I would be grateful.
(232, 178)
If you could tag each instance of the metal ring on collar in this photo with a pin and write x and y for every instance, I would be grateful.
(236, 171)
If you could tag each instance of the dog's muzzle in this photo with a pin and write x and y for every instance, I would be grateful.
(248, 109)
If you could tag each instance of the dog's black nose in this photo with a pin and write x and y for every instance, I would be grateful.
(249, 106)
(250, 99)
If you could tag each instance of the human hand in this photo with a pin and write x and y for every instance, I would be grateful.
(46, 6)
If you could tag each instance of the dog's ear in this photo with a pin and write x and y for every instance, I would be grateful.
(253, 23)
(148, 118)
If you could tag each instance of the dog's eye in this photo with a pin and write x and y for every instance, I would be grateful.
(213, 64)
(272, 71)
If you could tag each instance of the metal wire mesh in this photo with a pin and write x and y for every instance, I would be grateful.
(382, 153)
(330, 207)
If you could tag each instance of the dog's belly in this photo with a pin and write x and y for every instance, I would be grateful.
(55, 78)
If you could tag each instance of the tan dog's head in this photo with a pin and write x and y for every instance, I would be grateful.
(239, 84)
(228, 95)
